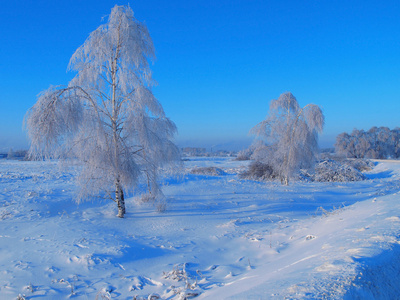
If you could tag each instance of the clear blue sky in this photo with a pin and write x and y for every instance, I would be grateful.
(219, 63)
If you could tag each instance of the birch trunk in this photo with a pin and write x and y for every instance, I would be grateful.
(119, 196)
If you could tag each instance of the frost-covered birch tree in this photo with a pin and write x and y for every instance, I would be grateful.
(375, 143)
(288, 137)
(107, 118)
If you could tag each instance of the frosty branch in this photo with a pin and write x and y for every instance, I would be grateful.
(107, 117)
(289, 137)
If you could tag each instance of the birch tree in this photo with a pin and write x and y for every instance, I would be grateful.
(107, 117)
(288, 137)
(376, 143)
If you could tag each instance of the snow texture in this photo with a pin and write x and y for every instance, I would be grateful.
(220, 238)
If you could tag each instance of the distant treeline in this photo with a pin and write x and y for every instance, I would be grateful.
(194, 151)
(11, 154)
(378, 143)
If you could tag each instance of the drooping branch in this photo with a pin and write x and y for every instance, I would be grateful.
(289, 134)
(107, 118)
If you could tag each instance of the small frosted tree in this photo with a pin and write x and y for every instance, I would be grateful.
(10, 154)
(107, 118)
(288, 138)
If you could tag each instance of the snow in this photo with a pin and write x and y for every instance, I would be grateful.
(221, 237)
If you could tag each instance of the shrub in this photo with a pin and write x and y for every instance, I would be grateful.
(333, 171)
(259, 171)
(210, 171)
(361, 165)
(243, 155)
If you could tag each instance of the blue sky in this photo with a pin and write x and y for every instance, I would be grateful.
(219, 63)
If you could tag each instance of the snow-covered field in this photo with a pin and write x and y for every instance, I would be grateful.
(221, 237)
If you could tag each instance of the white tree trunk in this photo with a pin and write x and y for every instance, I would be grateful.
(119, 197)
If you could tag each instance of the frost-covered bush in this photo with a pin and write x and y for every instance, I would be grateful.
(361, 165)
(325, 171)
(209, 171)
(333, 171)
(244, 155)
(146, 198)
(103, 295)
(259, 171)
(189, 287)
(158, 200)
